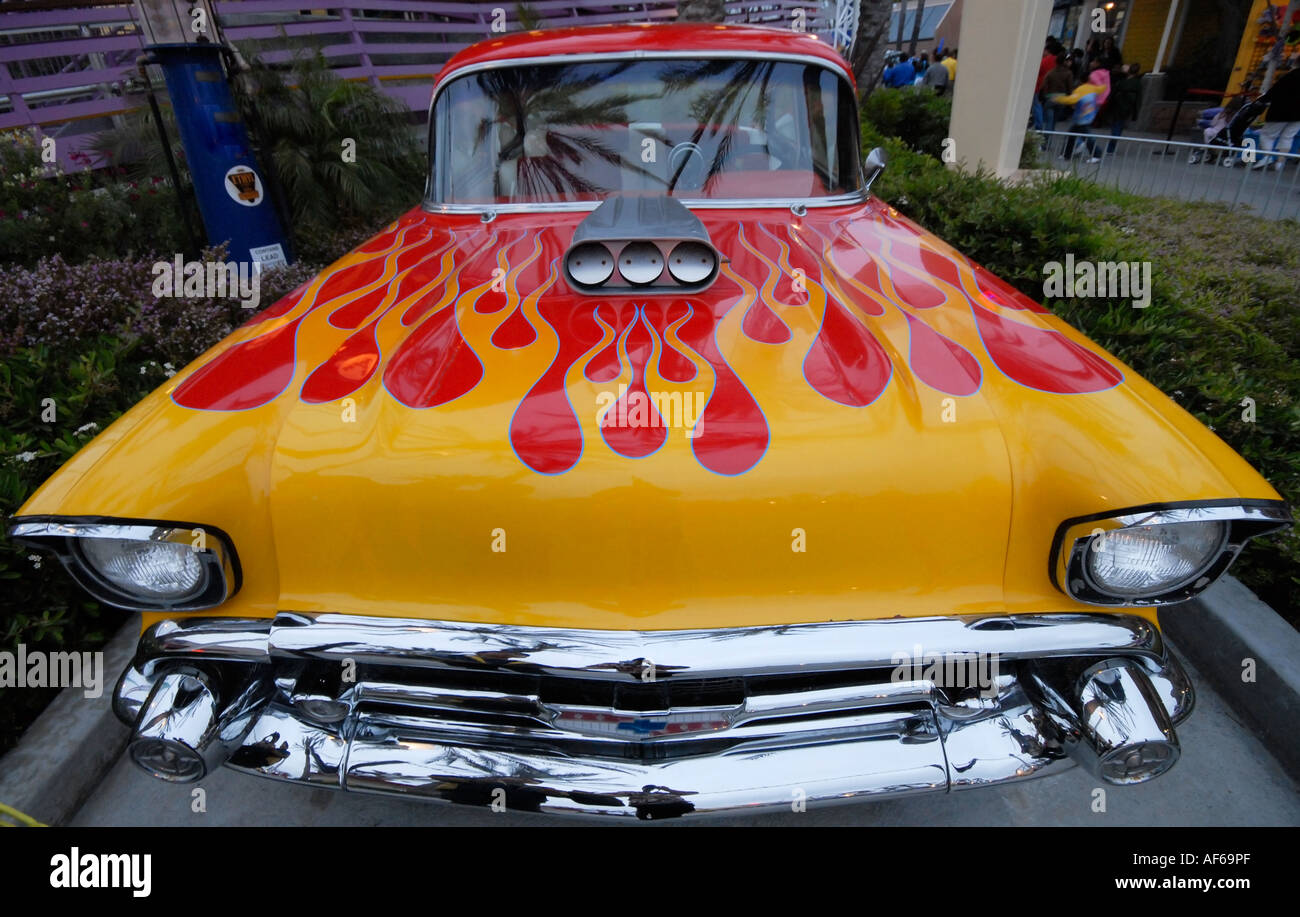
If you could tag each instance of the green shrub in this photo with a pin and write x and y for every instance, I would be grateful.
(88, 214)
(39, 605)
(914, 115)
(89, 340)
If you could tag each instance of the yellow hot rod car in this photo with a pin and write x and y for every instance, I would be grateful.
(652, 466)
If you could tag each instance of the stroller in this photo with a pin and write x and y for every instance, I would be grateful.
(1225, 127)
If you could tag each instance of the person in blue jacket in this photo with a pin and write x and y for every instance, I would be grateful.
(901, 74)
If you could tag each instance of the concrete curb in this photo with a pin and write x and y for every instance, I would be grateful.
(71, 746)
(1227, 625)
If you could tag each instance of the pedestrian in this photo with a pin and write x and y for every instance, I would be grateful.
(1086, 101)
(901, 74)
(936, 76)
(1100, 76)
(1046, 63)
(1059, 81)
(1282, 121)
(1110, 54)
(1077, 63)
(1126, 99)
(950, 62)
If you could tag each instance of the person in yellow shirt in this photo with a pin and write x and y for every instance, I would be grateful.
(1087, 100)
(950, 64)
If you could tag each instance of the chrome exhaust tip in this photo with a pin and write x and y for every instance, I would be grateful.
(176, 730)
(1111, 720)
(1125, 725)
(185, 730)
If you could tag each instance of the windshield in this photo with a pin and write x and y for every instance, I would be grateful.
(722, 129)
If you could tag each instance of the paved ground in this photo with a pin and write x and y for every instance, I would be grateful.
(1225, 777)
(1135, 167)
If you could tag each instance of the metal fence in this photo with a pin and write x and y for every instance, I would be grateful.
(1264, 183)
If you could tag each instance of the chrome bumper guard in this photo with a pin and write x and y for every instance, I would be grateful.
(654, 724)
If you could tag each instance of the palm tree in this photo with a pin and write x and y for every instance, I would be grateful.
(303, 119)
(337, 148)
(868, 55)
(136, 145)
(916, 28)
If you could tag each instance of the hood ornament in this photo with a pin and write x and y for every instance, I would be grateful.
(641, 245)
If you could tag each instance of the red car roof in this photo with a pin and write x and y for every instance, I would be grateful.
(611, 39)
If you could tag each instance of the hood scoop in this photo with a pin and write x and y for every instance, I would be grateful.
(639, 245)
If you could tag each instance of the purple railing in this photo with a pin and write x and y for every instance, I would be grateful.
(65, 68)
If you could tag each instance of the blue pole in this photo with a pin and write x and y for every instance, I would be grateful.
(231, 189)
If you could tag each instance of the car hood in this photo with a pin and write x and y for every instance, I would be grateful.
(853, 421)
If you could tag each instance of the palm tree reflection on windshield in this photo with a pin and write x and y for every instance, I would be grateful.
(552, 106)
(717, 114)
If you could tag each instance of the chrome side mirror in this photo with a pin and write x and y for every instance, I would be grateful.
(873, 165)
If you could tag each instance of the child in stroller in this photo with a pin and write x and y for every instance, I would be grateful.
(1226, 127)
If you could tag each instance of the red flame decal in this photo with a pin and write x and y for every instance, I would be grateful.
(248, 375)
(674, 365)
(544, 431)
(731, 434)
(845, 362)
(352, 315)
(1043, 359)
(607, 365)
(858, 267)
(281, 307)
(347, 369)
(515, 332)
(434, 365)
(941, 362)
(760, 323)
(906, 273)
(1001, 293)
(632, 426)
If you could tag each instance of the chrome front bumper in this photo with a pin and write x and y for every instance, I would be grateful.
(653, 724)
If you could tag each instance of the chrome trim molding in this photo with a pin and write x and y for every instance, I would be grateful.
(220, 580)
(749, 203)
(858, 196)
(1112, 719)
(184, 728)
(634, 54)
(615, 654)
(750, 717)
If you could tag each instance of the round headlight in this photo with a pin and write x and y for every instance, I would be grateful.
(640, 263)
(590, 264)
(1147, 560)
(691, 262)
(148, 569)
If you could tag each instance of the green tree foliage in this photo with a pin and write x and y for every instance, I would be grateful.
(341, 150)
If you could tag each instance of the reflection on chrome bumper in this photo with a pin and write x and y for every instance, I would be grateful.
(659, 724)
